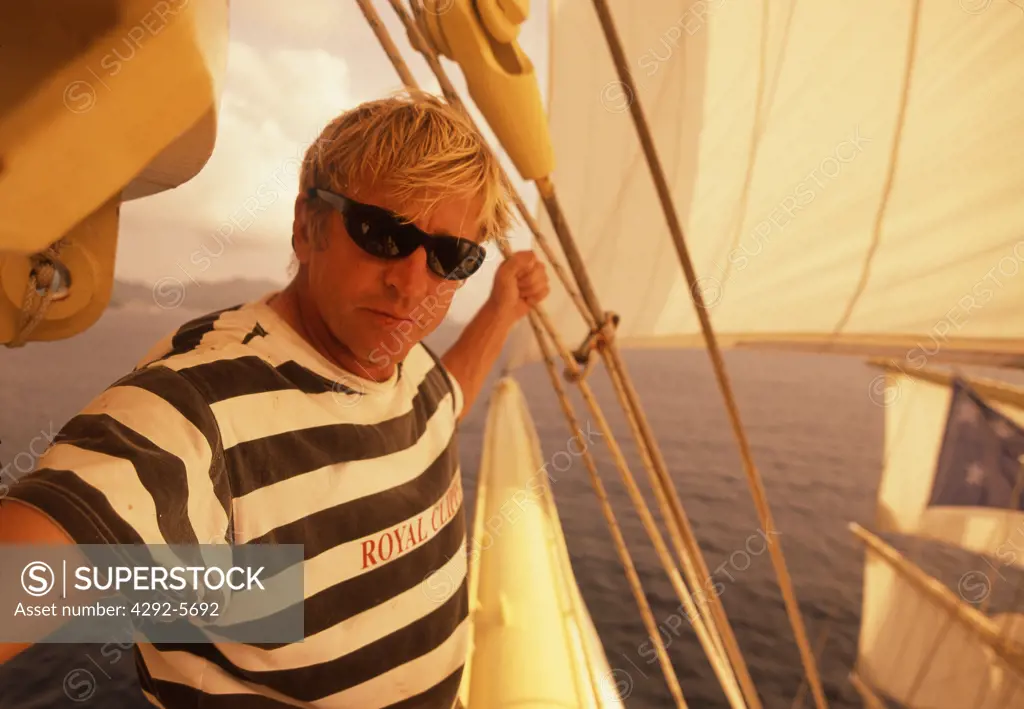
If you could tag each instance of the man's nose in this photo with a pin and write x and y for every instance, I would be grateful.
(410, 275)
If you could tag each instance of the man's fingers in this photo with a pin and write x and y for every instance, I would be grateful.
(523, 261)
(530, 276)
(532, 279)
(533, 283)
(535, 292)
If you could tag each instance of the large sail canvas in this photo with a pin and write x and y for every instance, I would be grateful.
(914, 651)
(845, 172)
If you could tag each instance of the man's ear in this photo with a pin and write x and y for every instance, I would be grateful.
(300, 229)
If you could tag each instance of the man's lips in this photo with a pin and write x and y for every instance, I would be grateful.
(384, 314)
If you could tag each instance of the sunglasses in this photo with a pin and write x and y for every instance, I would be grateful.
(385, 235)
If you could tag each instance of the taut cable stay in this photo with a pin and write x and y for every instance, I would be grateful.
(867, 695)
(798, 699)
(676, 230)
(676, 521)
(539, 322)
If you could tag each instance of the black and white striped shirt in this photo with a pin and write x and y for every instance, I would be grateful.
(235, 428)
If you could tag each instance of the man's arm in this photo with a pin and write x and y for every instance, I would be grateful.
(20, 524)
(136, 466)
(477, 349)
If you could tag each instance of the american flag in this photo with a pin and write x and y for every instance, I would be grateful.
(980, 463)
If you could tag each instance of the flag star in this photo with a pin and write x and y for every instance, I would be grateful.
(1003, 429)
(968, 413)
(975, 474)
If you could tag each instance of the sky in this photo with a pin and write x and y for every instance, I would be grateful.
(288, 74)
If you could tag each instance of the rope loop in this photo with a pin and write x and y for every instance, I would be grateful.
(599, 338)
(46, 283)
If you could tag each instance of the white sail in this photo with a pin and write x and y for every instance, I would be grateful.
(917, 417)
(913, 650)
(845, 172)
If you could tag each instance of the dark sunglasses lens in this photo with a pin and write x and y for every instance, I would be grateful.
(381, 234)
(378, 233)
(457, 259)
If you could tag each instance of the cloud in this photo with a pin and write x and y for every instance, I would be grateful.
(280, 24)
(273, 105)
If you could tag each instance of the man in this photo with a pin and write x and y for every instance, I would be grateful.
(315, 416)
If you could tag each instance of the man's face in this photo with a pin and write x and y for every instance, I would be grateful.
(377, 309)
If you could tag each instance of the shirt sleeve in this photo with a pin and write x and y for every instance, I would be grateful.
(141, 464)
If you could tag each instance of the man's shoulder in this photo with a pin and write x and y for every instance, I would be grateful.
(208, 352)
(220, 327)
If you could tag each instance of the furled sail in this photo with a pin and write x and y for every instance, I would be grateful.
(846, 173)
(914, 650)
(953, 462)
(533, 641)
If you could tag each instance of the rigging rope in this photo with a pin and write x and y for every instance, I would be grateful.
(680, 530)
(633, 579)
(867, 695)
(43, 287)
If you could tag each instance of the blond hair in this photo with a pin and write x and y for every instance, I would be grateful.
(416, 147)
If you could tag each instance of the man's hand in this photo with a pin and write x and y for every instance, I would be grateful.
(519, 283)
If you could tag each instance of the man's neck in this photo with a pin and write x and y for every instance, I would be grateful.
(303, 318)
